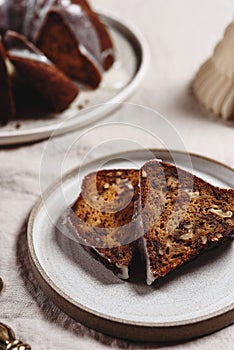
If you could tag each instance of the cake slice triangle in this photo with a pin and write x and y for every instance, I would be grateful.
(51, 83)
(182, 216)
(65, 41)
(105, 217)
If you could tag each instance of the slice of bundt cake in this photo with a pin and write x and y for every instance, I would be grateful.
(76, 40)
(104, 217)
(60, 45)
(7, 107)
(49, 82)
(182, 216)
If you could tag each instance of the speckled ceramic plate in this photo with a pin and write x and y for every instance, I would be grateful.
(195, 300)
(132, 58)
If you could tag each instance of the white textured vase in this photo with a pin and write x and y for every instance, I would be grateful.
(213, 85)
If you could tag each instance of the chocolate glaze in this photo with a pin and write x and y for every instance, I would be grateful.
(18, 46)
(36, 17)
(76, 19)
(82, 28)
(12, 14)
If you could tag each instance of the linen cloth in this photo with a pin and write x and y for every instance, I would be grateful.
(181, 35)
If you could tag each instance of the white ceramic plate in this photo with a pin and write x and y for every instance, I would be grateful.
(195, 300)
(132, 58)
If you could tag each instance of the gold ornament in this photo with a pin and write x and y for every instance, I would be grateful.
(1, 285)
(8, 340)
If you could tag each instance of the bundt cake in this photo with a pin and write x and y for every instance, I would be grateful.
(104, 217)
(68, 33)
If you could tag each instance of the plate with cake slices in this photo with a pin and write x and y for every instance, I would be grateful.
(141, 251)
(63, 66)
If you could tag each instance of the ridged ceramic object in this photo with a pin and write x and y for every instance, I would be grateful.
(213, 85)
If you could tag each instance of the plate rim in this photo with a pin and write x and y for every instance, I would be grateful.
(215, 320)
(111, 105)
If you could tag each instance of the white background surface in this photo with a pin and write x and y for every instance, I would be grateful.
(181, 35)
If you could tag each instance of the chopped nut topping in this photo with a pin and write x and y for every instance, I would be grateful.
(192, 194)
(143, 174)
(130, 186)
(221, 213)
(169, 244)
(215, 239)
(195, 194)
(172, 182)
(106, 185)
(160, 251)
(186, 236)
(188, 226)
(204, 239)
(119, 173)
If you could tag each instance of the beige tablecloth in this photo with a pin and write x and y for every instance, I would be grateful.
(181, 35)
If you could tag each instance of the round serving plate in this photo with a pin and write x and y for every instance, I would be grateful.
(132, 59)
(195, 300)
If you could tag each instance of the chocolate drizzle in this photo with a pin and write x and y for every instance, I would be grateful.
(82, 28)
(18, 46)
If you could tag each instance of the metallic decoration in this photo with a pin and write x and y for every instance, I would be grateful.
(1, 285)
(8, 340)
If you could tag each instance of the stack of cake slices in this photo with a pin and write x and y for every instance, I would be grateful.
(167, 214)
